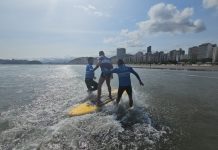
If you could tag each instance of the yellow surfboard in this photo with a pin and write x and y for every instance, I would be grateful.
(89, 107)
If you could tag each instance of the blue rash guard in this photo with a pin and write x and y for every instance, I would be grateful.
(124, 75)
(89, 72)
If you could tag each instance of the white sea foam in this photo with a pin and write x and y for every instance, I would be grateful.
(43, 124)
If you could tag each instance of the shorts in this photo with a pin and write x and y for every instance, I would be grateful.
(91, 84)
(104, 75)
(121, 89)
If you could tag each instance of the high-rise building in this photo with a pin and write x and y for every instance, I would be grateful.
(173, 54)
(205, 51)
(121, 53)
(193, 53)
(201, 52)
(138, 57)
(179, 54)
(161, 56)
(215, 54)
(149, 49)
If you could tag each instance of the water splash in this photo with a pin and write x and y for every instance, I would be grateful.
(43, 124)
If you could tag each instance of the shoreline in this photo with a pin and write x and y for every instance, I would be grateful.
(177, 67)
(203, 67)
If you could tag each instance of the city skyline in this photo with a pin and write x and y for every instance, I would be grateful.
(45, 28)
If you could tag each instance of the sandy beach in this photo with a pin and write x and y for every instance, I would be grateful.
(195, 67)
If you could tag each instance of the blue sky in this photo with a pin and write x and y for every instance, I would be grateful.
(60, 28)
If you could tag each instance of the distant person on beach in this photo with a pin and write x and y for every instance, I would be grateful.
(105, 64)
(90, 76)
(124, 81)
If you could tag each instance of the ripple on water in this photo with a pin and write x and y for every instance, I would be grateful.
(97, 131)
(49, 130)
(42, 124)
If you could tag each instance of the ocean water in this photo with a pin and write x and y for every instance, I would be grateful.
(175, 110)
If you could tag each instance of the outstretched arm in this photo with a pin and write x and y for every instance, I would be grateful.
(96, 67)
(111, 71)
(137, 76)
(114, 70)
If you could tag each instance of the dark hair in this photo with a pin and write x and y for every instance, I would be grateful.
(101, 53)
(120, 62)
(90, 59)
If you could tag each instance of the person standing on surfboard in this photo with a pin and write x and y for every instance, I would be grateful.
(105, 64)
(125, 81)
(89, 78)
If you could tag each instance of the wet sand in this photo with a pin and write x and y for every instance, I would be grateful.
(178, 67)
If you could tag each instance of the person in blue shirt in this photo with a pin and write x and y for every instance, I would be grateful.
(123, 73)
(89, 77)
(106, 65)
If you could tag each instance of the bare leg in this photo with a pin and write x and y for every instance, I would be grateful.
(108, 80)
(100, 83)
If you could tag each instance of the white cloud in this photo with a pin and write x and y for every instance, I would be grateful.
(163, 18)
(167, 18)
(210, 3)
(86, 8)
(92, 10)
